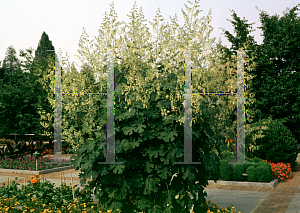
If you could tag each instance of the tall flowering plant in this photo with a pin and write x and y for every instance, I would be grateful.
(34, 179)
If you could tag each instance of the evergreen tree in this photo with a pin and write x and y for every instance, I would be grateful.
(43, 72)
(44, 45)
(10, 65)
(2, 71)
(18, 108)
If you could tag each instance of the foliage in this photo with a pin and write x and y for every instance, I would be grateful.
(256, 160)
(42, 195)
(272, 141)
(44, 45)
(271, 89)
(149, 116)
(264, 173)
(42, 68)
(18, 109)
(276, 84)
(10, 65)
(213, 171)
(225, 171)
(237, 171)
(24, 162)
(244, 41)
(251, 171)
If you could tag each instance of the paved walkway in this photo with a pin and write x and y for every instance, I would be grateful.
(284, 198)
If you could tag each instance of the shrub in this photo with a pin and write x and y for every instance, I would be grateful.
(229, 156)
(246, 166)
(214, 172)
(272, 141)
(238, 170)
(264, 173)
(225, 171)
(251, 171)
(264, 163)
(256, 160)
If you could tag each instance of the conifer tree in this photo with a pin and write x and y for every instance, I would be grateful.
(18, 108)
(10, 65)
(43, 72)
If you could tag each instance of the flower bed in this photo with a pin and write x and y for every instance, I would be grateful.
(29, 163)
(40, 196)
(47, 150)
(43, 197)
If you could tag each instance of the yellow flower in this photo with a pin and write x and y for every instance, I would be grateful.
(29, 194)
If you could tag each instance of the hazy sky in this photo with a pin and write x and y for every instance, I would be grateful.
(23, 22)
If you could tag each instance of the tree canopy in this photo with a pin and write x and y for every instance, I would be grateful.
(278, 70)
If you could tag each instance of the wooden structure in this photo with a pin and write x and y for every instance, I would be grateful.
(29, 139)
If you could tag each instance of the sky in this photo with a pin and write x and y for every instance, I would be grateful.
(23, 22)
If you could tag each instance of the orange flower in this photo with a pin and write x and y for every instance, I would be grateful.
(34, 180)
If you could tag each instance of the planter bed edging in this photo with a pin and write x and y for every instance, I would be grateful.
(272, 184)
(17, 171)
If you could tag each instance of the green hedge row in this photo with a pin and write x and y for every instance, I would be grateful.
(259, 171)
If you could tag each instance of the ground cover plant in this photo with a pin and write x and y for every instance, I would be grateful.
(24, 162)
